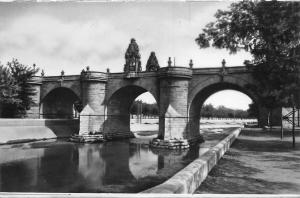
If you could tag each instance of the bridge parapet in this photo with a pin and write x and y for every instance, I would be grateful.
(217, 70)
(35, 80)
(57, 78)
(179, 72)
(139, 74)
(93, 76)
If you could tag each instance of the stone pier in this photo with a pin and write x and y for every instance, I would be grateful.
(173, 105)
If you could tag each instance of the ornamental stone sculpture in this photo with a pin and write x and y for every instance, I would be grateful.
(132, 57)
(152, 63)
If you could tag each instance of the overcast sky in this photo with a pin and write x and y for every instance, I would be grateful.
(72, 35)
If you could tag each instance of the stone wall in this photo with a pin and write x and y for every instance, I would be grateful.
(18, 130)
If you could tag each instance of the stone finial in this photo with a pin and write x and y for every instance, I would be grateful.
(87, 68)
(42, 73)
(223, 63)
(191, 63)
(62, 73)
(107, 70)
(34, 65)
(169, 62)
(82, 71)
(132, 58)
(223, 71)
(152, 63)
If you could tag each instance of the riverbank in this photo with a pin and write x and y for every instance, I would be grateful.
(258, 162)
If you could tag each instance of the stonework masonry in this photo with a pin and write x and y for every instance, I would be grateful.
(93, 94)
(33, 112)
(174, 84)
(179, 91)
(22, 130)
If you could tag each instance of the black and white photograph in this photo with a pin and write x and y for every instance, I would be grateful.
(149, 98)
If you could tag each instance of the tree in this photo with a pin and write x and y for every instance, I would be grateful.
(252, 110)
(147, 109)
(222, 112)
(270, 31)
(16, 93)
(8, 92)
(207, 111)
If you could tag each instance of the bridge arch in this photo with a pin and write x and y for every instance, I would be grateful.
(59, 103)
(240, 82)
(148, 84)
(52, 84)
(204, 90)
(118, 109)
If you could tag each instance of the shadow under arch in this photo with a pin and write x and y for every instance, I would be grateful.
(59, 103)
(118, 110)
(199, 99)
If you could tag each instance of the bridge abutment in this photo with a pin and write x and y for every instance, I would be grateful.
(35, 83)
(173, 102)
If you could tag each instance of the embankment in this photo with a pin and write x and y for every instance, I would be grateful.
(21, 130)
(189, 179)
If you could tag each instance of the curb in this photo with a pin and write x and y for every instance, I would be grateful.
(189, 179)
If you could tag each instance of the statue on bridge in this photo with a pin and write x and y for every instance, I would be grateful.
(152, 63)
(132, 57)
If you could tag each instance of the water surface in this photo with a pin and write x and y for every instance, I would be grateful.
(62, 166)
(126, 166)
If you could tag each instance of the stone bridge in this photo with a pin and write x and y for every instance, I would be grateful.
(179, 92)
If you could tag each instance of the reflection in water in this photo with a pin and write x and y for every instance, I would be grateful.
(91, 165)
(143, 163)
(118, 166)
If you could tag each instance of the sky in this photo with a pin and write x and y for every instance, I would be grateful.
(72, 35)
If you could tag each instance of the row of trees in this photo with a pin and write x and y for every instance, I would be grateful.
(270, 31)
(209, 111)
(139, 107)
(15, 92)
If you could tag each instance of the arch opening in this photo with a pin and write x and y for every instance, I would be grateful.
(196, 110)
(60, 103)
(144, 116)
(125, 111)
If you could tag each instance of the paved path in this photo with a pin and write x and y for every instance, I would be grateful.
(258, 162)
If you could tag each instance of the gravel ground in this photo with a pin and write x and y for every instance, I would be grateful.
(257, 163)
